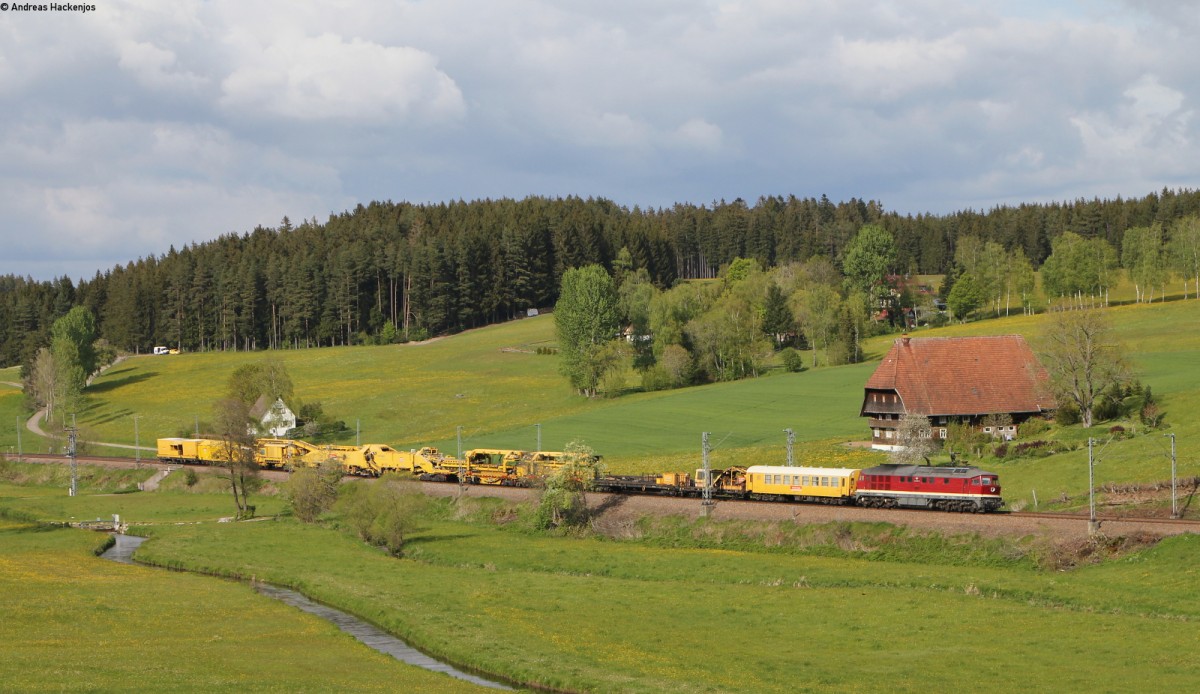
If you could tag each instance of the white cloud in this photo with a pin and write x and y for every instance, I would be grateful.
(699, 134)
(329, 78)
(145, 124)
(156, 67)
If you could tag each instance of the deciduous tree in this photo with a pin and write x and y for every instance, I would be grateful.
(585, 319)
(869, 256)
(231, 419)
(563, 500)
(914, 438)
(1083, 357)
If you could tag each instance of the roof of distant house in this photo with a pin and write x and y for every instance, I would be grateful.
(964, 375)
(263, 405)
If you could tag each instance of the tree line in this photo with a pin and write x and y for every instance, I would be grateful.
(388, 272)
(730, 329)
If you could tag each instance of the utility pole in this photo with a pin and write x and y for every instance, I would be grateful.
(197, 426)
(791, 441)
(539, 436)
(707, 504)
(1174, 501)
(357, 432)
(19, 427)
(1093, 526)
(71, 452)
(137, 442)
(463, 470)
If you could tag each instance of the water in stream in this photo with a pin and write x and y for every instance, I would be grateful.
(370, 635)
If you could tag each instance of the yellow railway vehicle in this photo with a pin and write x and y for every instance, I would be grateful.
(487, 466)
(811, 484)
(285, 454)
(181, 450)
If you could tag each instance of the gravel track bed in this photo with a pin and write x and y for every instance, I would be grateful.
(617, 508)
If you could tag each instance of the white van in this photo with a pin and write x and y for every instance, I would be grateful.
(161, 350)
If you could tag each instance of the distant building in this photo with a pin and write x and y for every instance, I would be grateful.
(951, 379)
(275, 419)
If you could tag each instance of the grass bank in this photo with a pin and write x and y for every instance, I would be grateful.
(599, 615)
(71, 621)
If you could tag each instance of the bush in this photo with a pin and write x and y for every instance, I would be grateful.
(656, 378)
(791, 359)
(1033, 427)
(1040, 448)
(313, 490)
(1067, 414)
(382, 513)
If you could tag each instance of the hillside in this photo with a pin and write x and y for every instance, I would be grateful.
(493, 384)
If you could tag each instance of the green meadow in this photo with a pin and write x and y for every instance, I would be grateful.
(71, 621)
(493, 384)
(672, 605)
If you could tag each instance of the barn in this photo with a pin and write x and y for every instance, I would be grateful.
(948, 379)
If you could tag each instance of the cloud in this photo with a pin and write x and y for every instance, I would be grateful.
(147, 124)
(328, 78)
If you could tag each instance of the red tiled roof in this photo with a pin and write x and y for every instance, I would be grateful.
(963, 375)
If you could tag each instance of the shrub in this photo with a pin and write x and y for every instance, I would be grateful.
(791, 359)
(1040, 448)
(382, 513)
(656, 378)
(1033, 427)
(313, 490)
(1067, 414)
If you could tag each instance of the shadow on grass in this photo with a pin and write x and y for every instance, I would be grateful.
(112, 417)
(119, 382)
(426, 539)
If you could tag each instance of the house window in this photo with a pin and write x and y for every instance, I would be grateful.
(942, 433)
(887, 434)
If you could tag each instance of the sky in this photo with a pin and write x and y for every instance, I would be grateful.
(136, 126)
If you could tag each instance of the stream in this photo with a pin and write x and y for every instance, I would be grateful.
(368, 634)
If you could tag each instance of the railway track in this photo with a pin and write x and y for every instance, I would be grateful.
(664, 505)
(1108, 518)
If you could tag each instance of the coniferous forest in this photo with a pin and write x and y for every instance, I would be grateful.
(387, 272)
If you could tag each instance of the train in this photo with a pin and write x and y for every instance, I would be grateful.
(960, 489)
(957, 489)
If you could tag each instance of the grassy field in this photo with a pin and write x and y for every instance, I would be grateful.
(774, 607)
(493, 384)
(1163, 340)
(592, 615)
(71, 621)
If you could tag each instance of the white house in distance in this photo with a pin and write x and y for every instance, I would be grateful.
(275, 418)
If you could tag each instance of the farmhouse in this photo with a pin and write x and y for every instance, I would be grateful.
(992, 382)
(275, 418)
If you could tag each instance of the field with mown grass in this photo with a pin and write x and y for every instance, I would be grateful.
(40, 491)
(603, 615)
(493, 384)
(70, 621)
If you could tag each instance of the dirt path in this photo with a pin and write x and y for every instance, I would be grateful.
(35, 422)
